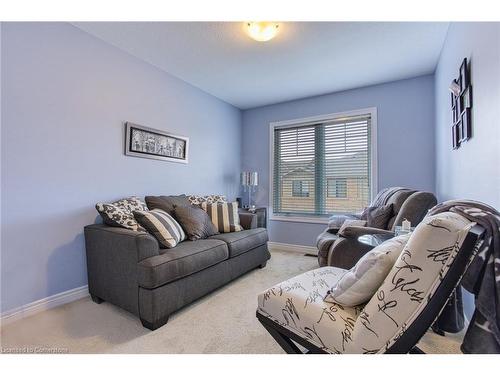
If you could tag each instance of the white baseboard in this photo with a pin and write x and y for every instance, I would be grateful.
(44, 304)
(68, 296)
(280, 246)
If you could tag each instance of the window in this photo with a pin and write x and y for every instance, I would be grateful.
(337, 188)
(323, 165)
(300, 189)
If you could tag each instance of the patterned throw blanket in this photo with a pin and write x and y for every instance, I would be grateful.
(482, 277)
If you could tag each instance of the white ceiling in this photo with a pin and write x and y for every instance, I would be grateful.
(305, 59)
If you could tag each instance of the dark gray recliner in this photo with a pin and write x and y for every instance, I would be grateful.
(344, 251)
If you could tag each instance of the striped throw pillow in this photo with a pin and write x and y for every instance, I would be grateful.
(224, 216)
(162, 226)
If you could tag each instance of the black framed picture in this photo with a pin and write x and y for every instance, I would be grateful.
(461, 105)
(466, 98)
(144, 142)
(454, 136)
(464, 75)
(465, 125)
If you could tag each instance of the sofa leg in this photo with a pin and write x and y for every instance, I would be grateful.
(262, 265)
(155, 325)
(96, 299)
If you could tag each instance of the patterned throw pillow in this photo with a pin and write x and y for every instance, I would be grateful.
(224, 216)
(199, 199)
(120, 213)
(162, 226)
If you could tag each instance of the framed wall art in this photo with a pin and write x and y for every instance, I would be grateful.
(461, 104)
(144, 142)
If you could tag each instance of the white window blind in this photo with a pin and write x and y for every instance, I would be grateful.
(322, 168)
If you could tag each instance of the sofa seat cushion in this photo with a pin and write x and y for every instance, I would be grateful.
(241, 242)
(185, 259)
(297, 304)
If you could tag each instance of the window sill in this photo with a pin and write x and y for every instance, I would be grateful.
(300, 219)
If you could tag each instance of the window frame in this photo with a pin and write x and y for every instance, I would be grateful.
(372, 111)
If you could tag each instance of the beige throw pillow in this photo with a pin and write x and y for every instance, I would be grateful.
(361, 282)
(162, 226)
(224, 216)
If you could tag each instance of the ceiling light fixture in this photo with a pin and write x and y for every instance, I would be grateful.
(262, 31)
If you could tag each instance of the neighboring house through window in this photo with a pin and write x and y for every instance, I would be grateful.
(337, 188)
(323, 165)
(300, 189)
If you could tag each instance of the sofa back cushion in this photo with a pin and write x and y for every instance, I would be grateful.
(195, 222)
(162, 226)
(120, 212)
(410, 284)
(166, 202)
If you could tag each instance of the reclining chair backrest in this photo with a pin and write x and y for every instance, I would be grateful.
(398, 200)
(418, 286)
(410, 205)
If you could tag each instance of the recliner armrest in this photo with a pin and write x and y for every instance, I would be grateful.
(248, 220)
(356, 231)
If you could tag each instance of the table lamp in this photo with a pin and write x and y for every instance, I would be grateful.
(250, 181)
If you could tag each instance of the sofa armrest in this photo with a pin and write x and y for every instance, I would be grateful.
(248, 220)
(356, 231)
(138, 245)
(112, 261)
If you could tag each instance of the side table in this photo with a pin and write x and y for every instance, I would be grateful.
(261, 213)
(373, 240)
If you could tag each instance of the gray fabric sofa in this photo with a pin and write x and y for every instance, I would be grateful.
(344, 251)
(130, 270)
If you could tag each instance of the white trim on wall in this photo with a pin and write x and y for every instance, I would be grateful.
(312, 120)
(72, 295)
(280, 246)
(44, 304)
(300, 219)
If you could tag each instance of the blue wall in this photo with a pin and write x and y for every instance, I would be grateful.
(472, 171)
(405, 140)
(65, 96)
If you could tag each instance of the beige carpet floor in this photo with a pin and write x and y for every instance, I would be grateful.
(222, 322)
